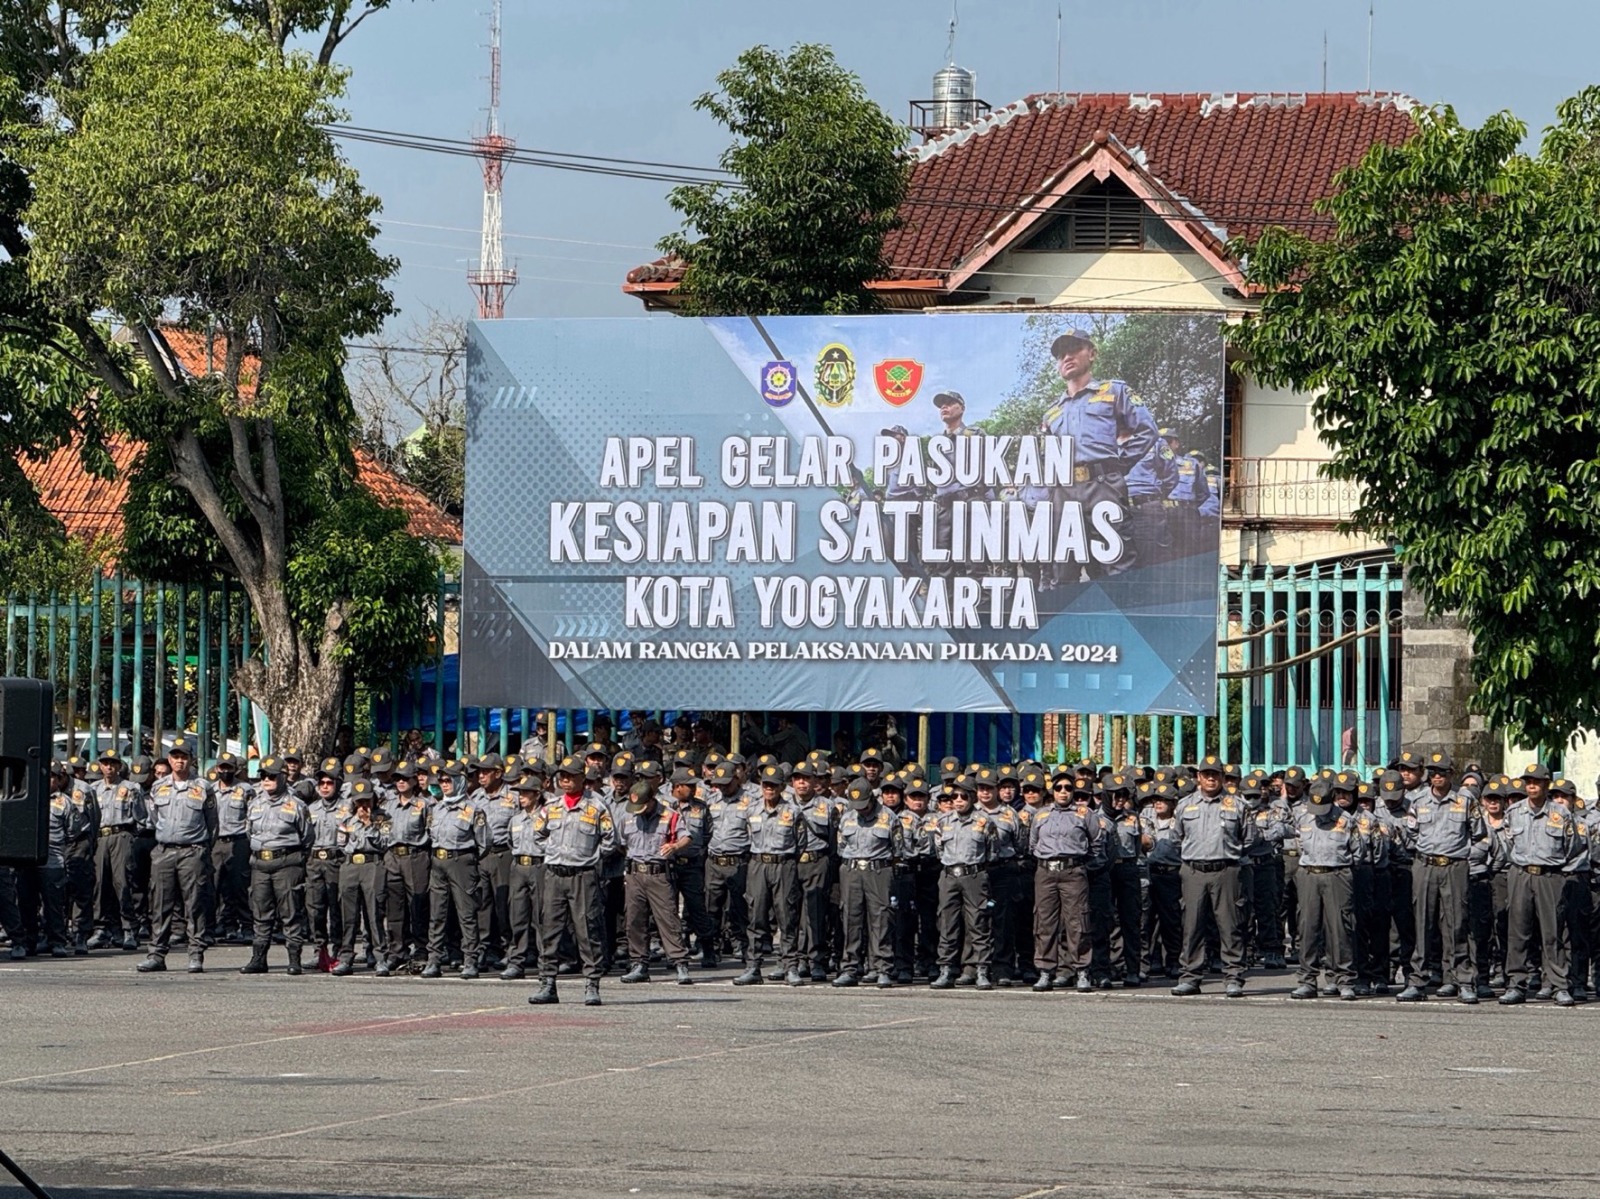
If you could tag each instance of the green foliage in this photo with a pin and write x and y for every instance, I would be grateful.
(1450, 327)
(36, 558)
(435, 463)
(823, 171)
(360, 554)
(1169, 358)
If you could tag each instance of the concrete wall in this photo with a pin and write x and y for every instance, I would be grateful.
(1110, 279)
(1436, 682)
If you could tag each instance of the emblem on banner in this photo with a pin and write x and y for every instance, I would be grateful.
(777, 383)
(897, 379)
(836, 375)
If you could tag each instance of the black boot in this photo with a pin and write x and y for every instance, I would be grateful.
(546, 992)
(639, 974)
(683, 974)
(750, 978)
(946, 980)
(258, 960)
(294, 960)
(591, 993)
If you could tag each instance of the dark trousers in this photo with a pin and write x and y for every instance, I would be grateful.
(1579, 915)
(1164, 920)
(926, 914)
(494, 899)
(650, 897)
(1100, 911)
(1402, 917)
(113, 868)
(1213, 895)
(903, 898)
(180, 881)
(1439, 898)
(80, 889)
(278, 897)
(1537, 908)
(727, 913)
(10, 914)
(405, 897)
(452, 888)
(965, 920)
(1487, 911)
(612, 901)
(322, 899)
(1003, 890)
(1127, 939)
(230, 883)
(1291, 896)
(689, 880)
(1060, 919)
(815, 911)
(1022, 915)
(1327, 925)
(772, 897)
(30, 897)
(868, 919)
(523, 904)
(361, 898)
(571, 902)
(1372, 924)
(53, 878)
(144, 848)
(1266, 889)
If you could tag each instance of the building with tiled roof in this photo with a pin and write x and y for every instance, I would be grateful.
(90, 508)
(1133, 200)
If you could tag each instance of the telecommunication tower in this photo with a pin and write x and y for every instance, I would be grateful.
(493, 280)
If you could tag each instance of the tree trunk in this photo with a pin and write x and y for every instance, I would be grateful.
(298, 683)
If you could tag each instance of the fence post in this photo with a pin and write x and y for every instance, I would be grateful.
(1318, 757)
(94, 670)
(1337, 665)
(1363, 646)
(202, 700)
(137, 725)
(180, 697)
(1291, 693)
(158, 717)
(224, 666)
(1385, 678)
(246, 720)
(72, 677)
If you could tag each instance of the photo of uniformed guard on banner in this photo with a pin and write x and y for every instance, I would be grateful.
(976, 511)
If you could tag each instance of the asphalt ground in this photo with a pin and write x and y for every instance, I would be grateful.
(185, 1087)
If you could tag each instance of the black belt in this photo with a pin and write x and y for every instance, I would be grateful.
(455, 853)
(180, 844)
(229, 836)
(1210, 865)
(1434, 859)
(1158, 868)
(1323, 869)
(1083, 472)
(568, 871)
(107, 830)
(326, 855)
(863, 864)
(1540, 869)
(905, 868)
(405, 851)
(525, 859)
(814, 855)
(275, 855)
(1064, 862)
(1291, 853)
(500, 848)
(365, 856)
(728, 859)
(963, 871)
(772, 859)
(646, 868)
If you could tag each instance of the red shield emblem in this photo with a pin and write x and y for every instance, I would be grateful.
(897, 379)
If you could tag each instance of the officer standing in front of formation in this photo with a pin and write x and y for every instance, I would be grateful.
(964, 841)
(1063, 840)
(363, 839)
(406, 868)
(184, 809)
(650, 838)
(230, 854)
(527, 875)
(579, 833)
(778, 834)
(122, 811)
(459, 833)
(1446, 823)
(1213, 831)
(278, 824)
(869, 842)
(1327, 902)
(1110, 427)
(1544, 841)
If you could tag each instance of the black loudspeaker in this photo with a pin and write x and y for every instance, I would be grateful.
(27, 725)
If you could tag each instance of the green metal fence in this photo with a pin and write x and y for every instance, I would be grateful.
(1308, 664)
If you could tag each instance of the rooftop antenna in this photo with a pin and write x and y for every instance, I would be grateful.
(1058, 47)
(492, 280)
(1324, 60)
(950, 46)
(1371, 4)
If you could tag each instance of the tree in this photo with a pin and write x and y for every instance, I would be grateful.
(173, 167)
(418, 377)
(821, 172)
(1449, 322)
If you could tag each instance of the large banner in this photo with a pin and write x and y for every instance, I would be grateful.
(964, 512)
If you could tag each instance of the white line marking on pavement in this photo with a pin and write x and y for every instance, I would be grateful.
(299, 1036)
(543, 1086)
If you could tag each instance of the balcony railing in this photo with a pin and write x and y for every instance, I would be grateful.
(1286, 489)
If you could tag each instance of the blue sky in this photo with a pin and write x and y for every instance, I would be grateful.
(618, 77)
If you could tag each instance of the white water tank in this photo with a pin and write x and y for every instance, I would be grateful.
(955, 97)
